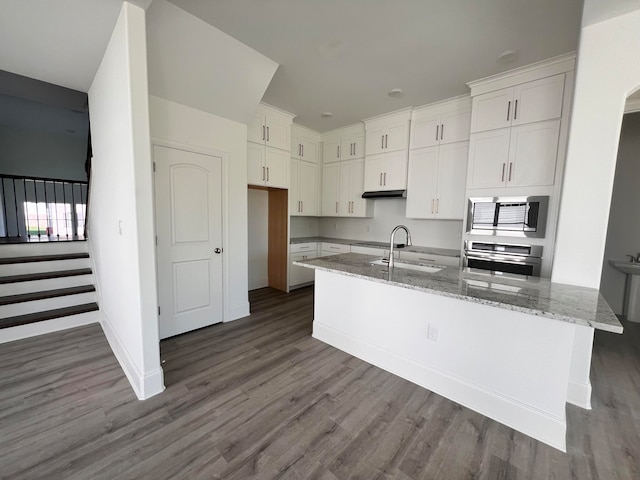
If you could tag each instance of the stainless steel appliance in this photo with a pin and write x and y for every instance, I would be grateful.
(503, 257)
(508, 216)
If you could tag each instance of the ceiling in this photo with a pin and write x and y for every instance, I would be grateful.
(344, 56)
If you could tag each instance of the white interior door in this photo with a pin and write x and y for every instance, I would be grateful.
(189, 227)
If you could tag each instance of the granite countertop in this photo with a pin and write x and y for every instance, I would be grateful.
(531, 295)
(447, 252)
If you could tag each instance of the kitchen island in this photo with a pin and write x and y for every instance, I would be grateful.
(515, 349)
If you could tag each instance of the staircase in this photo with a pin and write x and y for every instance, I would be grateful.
(45, 287)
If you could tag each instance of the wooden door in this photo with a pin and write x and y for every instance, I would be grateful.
(188, 190)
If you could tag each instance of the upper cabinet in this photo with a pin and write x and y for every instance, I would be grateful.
(305, 144)
(270, 127)
(529, 102)
(268, 135)
(441, 123)
(386, 152)
(344, 144)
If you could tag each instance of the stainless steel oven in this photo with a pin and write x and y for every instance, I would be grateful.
(508, 216)
(503, 257)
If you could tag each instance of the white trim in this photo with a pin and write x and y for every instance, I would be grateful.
(355, 128)
(534, 71)
(522, 417)
(579, 394)
(462, 102)
(49, 326)
(632, 105)
(144, 386)
(402, 114)
(266, 106)
(306, 130)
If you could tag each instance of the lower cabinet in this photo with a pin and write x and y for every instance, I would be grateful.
(328, 249)
(300, 275)
(429, 258)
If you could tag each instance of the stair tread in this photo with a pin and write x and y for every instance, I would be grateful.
(45, 294)
(44, 275)
(43, 258)
(47, 315)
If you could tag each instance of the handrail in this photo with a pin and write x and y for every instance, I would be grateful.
(43, 179)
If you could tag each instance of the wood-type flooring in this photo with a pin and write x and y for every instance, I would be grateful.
(260, 398)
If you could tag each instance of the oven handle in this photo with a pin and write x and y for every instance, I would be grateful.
(514, 260)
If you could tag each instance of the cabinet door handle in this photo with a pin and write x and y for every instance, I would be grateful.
(510, 167)
(338, 152)
(437, 132)
(267, 174)
(382, 142)
(263, 175)
(354, 149)
(336, 207)
(386, 141)
(432, 203)
(267, 134)
(442, 132)
(515, 111)
(302, 150)
(264, 137)
(380, 178)
(503, 167)
(301, 206)
(437, 205)
(508, 109)
(385, 179)
(299, 150)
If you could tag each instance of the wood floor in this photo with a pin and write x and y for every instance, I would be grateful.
(260, 398)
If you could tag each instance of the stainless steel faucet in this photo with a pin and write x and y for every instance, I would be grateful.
(393, 234)
(634, 259)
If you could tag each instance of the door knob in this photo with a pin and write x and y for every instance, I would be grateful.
(218, 250)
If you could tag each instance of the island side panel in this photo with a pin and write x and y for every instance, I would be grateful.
(579, 392)
(507, 365)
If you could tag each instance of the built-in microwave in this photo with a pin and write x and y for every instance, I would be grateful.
(508, 216)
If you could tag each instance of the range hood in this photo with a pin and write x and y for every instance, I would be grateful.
(386, 194)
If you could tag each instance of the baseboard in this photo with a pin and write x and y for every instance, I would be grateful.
(238, 311)
(579, 394)
(144, 385)
(48, 326)
(524, 418)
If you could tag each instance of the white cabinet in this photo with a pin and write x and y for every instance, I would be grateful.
(387, 147)
(270, 127)
(303, 191)
(524, 155)
(328, 249)
(529, 102)
(441, 123)
(304, 144)
(348, 143)
(267, 166)
(300, 275)
(342, 189)
(386, 171)
(436, 181)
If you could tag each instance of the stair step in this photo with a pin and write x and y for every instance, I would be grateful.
(44, 275)
(41, 248)
(47, 315)
(43, 258)
(19, 288)
(60, 292)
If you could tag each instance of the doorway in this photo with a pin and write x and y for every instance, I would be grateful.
(188, 196)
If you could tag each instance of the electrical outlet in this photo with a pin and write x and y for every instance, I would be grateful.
(432, 333)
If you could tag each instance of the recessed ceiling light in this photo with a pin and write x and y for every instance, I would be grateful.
(395, 93)
(507, 56)
(326, 114)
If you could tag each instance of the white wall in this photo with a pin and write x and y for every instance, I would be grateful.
(121, 208)
(258, 231)
(608, 70)
(187, 126)
(32, 153)
(388, 213)
(304, 227)
(623, 234)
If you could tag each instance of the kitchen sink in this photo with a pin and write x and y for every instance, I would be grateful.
(408, 266)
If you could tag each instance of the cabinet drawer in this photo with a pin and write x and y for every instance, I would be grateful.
(428, 258)
(303, 247)
(300, 275)
(335, 248)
